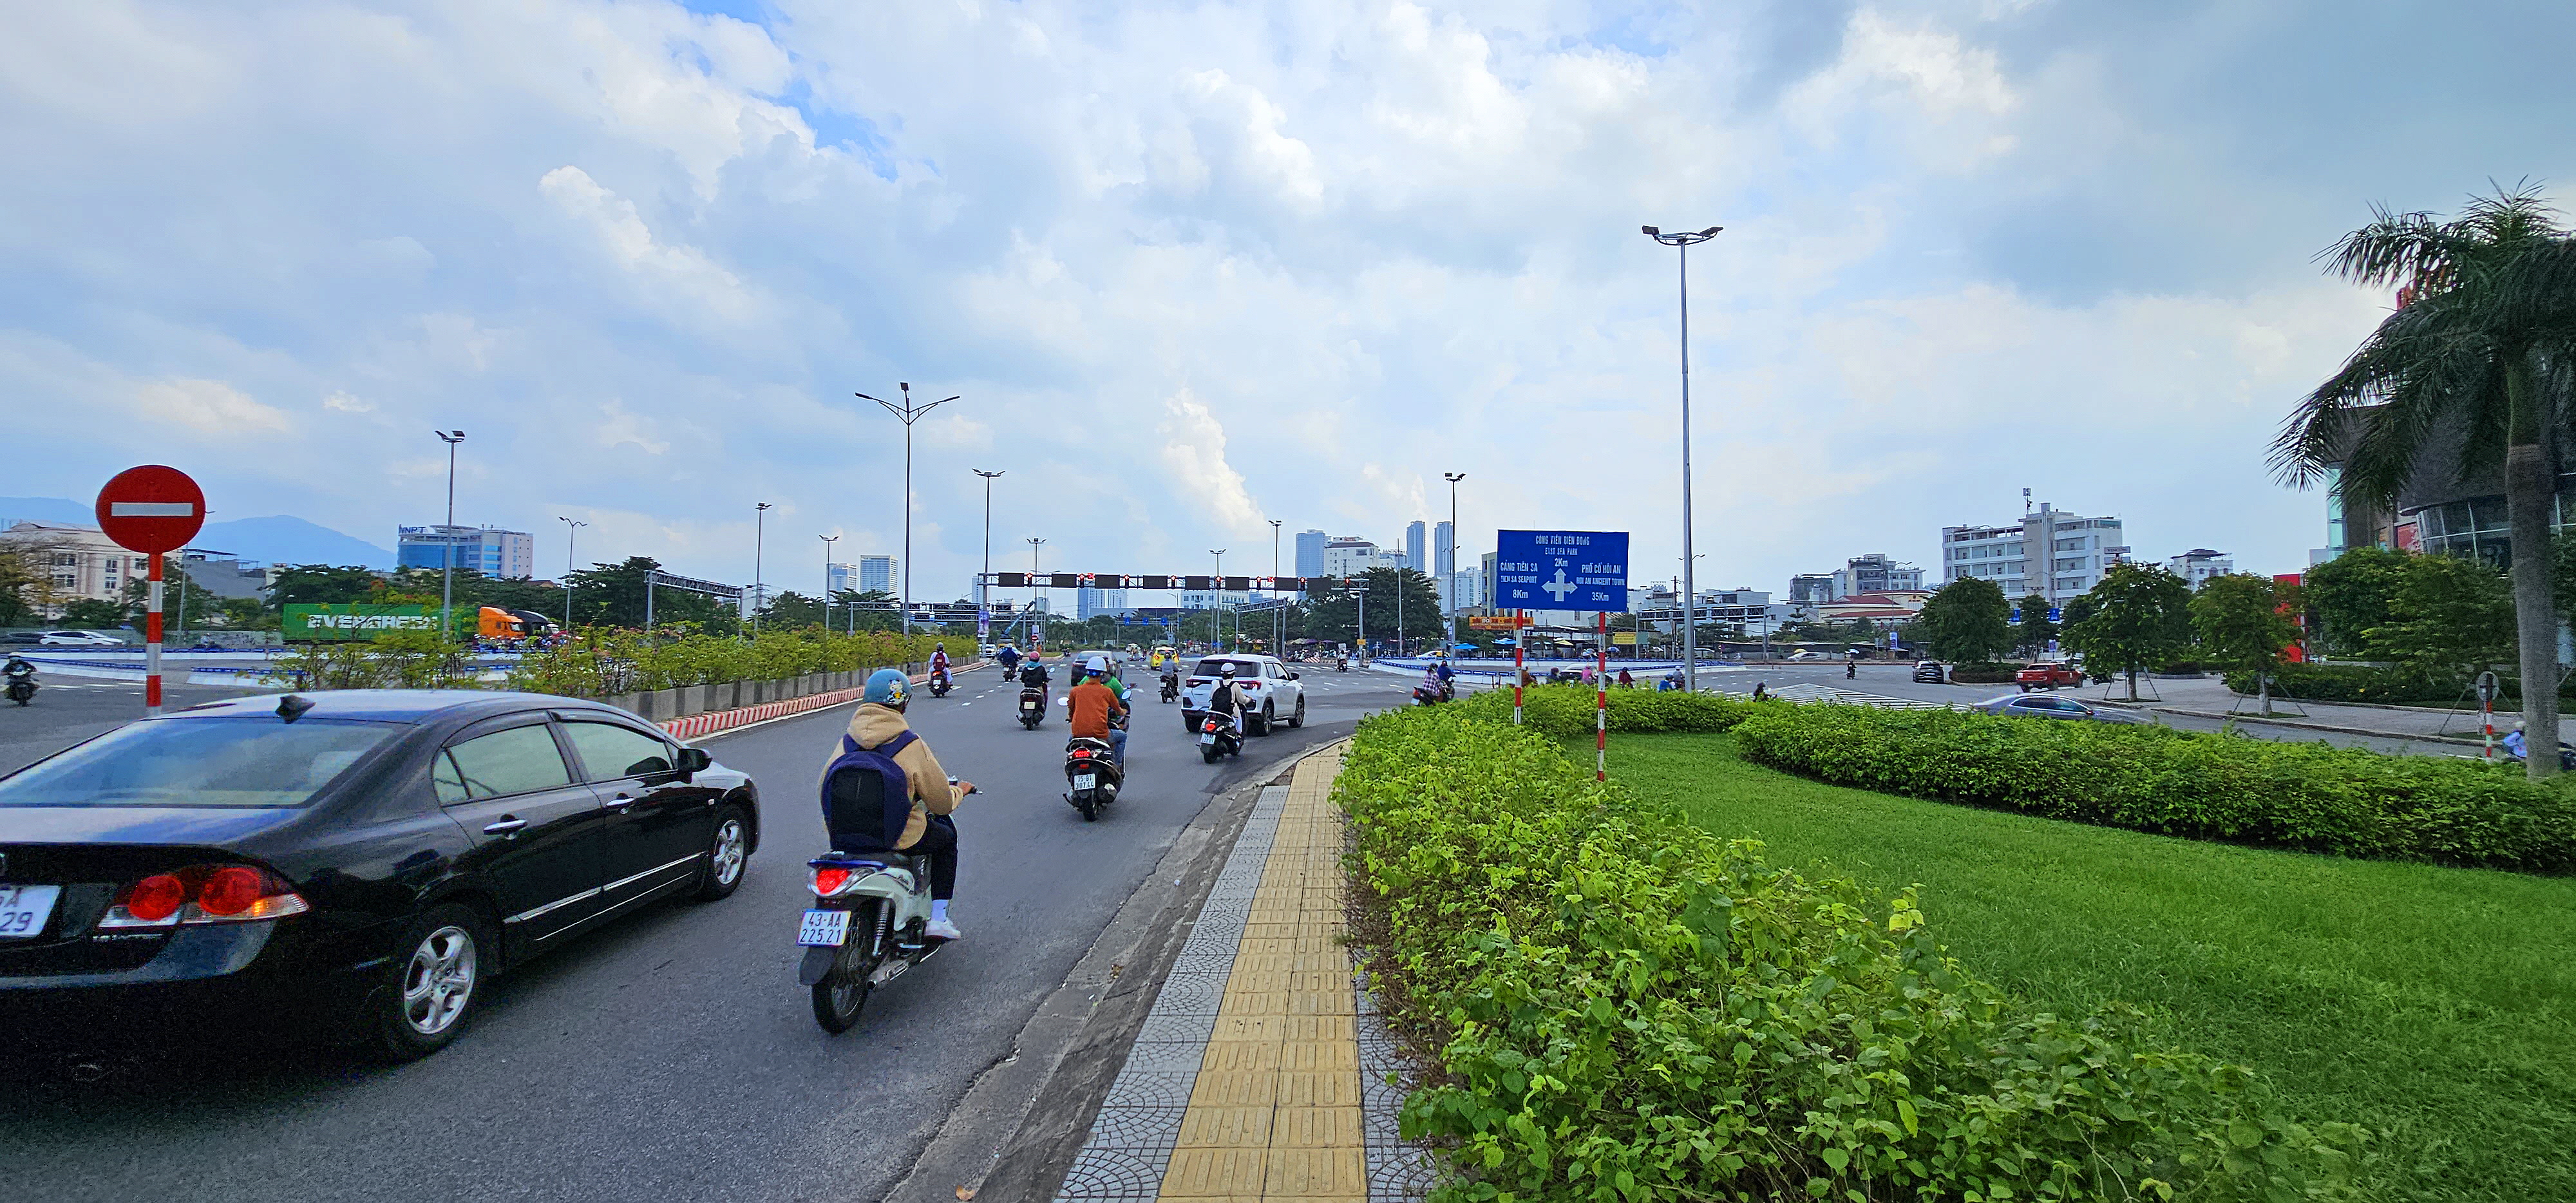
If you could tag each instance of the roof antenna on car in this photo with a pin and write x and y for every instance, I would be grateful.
(292, 707)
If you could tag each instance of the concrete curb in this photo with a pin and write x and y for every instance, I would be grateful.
(1046, 1094)
(2225, 716)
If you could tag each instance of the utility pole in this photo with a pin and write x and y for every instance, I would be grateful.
(984, 583)
(569, 527)
(828, 541)
(1216, 604)
(908, 413)
(1278, 613)
(759, 527)
(1690, 584)
(447, 547)
(1449, 588)
(1034, 622)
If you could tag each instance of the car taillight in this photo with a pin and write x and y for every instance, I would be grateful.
(1195, 682)
(205, 894)
(828, 882)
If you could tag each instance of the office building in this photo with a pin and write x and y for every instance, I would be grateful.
(1461, 591)
(840, 578)
(2050, 552)
(1414, 551)
(1310, 552)
(1444, 551)
(1088, 602)
(876, 574)
(506, 555)
(2199, 564)
(224, 575)
(1811, 589)
(1874, 573)
(75, 563)
(1348, 556)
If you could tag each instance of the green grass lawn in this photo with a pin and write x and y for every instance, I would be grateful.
(2434, 1006)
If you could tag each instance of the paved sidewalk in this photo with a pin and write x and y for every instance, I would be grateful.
(1260, 1072)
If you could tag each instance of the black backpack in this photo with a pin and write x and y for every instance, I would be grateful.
(867, 800)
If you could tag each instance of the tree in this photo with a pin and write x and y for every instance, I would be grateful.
(2350, 594)
(322, 585)
(90, 613)
(1966, 620)
(2478, 353)
(2448, 615)
(2036, 629)
(1334, 607)
(789, 610)
(2140, 615)
(182, 608)
(2242, 625)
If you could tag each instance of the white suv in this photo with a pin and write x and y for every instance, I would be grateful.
(1272, 692)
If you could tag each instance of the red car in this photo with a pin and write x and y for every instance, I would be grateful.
(2048, 675)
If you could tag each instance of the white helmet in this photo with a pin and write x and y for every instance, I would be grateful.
(1098, 664)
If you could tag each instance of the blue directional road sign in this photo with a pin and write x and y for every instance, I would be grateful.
(1561, 570)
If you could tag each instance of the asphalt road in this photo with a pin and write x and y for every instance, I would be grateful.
(672, 1057)
(67, 710)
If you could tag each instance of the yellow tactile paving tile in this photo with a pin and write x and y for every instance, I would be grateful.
(1315, 1174)
(1317, 1127)
(1228, 1127)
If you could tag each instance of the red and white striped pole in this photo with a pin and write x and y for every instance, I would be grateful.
(2486, 712)
(1520, 640)
(152, 638)
(1601, 705)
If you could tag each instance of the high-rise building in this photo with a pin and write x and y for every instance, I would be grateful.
(1310, 552)
(1347, 556)
(1088, 601)
(1811, 588)
(1413, 547)
(2050, 552)
(840, 578)
(1874, 573)
(500, 554)
(876, 574)
(1444, 551)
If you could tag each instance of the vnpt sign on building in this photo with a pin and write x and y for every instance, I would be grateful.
(1561, 570)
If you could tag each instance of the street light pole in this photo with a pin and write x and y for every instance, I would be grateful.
(1449, 588)
(1690, 584)
(446, 544)
(908, 413)
(1217, 627)
(1036, 624)
(759, 529)
(1278, 614)
(828, 541)
(569, 527)
(984, 583)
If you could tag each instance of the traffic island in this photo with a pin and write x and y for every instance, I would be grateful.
(1261, 1070)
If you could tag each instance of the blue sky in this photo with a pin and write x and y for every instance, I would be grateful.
(1197, 266)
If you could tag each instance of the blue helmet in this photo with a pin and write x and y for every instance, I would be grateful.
(887, 687)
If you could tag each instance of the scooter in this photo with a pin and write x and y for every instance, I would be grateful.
(1091, 775)
(939, 684)
(1171, 684)
(1032, 706)
(1217, 739)
(1342, 664)
(864, 929)
(1427, 694)
(22, 688)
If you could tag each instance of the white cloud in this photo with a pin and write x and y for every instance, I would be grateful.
(1194, 455)
(619, 427)
(340, 402)
(207, 406)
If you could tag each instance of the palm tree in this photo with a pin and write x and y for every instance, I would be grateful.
(2479, 353)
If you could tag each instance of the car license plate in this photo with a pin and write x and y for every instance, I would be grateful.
(24, 909)
(1085, 780)
(824, 929)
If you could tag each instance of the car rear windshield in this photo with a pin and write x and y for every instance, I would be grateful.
(1214, 664)
(228, 763)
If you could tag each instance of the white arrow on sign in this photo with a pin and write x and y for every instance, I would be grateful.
(1559, 587)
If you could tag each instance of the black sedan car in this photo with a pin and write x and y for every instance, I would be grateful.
(378, 854)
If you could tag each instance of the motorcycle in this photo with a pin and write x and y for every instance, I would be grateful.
(22, 689)
(939, 684)
(1217, 739)
(1427, 694)
(1342, 664)
(864, 929)
(1171, 685)
(1032, 706)
(1091, 775)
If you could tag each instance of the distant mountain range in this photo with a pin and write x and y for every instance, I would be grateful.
(278, 539)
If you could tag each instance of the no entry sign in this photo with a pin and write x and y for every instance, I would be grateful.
(151, 509)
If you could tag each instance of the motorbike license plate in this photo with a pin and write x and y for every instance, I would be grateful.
(1085, 780)
(24, 909)
(1207, 737)
(824, 929)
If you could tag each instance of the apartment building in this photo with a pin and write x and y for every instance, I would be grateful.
(2050, 552)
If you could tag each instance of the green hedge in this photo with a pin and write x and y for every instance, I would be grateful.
(1566, 711)
(2392, 686)
(1628, 1008)
(2308, 796)
(1992, 672)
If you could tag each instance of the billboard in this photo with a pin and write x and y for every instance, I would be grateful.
(340, 624)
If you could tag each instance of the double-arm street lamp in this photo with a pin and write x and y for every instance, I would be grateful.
(569, 527)
(1690, 641)
(908, 413)
(759, 528)
(446, 543)
(1449, 588)
(828, 541)
(984, 583)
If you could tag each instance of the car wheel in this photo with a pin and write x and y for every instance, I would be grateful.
(1190, 722)
(439, 966)
(1269, 720)
(728, 854)
(1297, 717)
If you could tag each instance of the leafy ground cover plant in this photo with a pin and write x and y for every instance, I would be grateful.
(1566, 711)
(1628, 1007)
(2310, 797)
(2434, 1006)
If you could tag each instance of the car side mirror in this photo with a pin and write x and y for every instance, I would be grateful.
(694, 761)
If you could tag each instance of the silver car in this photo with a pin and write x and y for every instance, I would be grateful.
(2041, 705)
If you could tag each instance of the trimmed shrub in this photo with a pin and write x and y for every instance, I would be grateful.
(2393, 686)
(1628, 1008)
(2306, 796)
(1565, 711)
(1992, 672)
